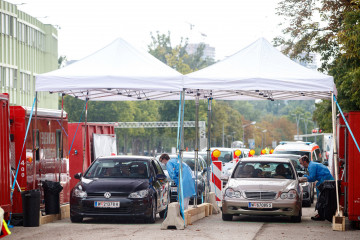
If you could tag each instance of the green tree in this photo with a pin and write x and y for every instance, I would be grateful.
(335, 36)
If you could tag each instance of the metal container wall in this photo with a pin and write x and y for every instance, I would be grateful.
(77, 151)
(46, 159)
(350, 170)
(5, 202)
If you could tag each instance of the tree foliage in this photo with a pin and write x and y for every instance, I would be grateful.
(331, 29)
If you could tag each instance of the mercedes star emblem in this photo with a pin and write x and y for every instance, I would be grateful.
(107, 195)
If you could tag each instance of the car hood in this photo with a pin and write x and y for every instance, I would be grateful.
(265, 184)
(116, 185)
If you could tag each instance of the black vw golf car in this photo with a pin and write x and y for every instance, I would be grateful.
(123, 186)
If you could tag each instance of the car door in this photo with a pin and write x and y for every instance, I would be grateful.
(161, 186)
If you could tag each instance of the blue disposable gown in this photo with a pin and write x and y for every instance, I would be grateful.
(188, 183)
(318, 172)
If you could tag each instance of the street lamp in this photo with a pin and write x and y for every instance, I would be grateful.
(243, 127)
(262, 142)
(297, 118)
(305, 123)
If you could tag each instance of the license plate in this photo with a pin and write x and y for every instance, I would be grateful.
(106, 204)
(174, 189)
(260, 205)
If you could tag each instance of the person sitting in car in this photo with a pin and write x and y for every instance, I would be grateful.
(248, 171)
(280, 171)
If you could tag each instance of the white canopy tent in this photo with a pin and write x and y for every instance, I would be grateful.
(118, 72)
(260, 71)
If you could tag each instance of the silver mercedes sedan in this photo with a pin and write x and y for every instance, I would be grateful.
(263, 186)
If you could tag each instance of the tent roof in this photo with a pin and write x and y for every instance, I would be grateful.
(116, 72)
(257, 71)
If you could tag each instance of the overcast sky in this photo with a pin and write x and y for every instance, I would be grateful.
(87, 26)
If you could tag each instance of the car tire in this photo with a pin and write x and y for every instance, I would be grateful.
(152, 217)
(76, 218)
(297, 219)
(227, 217)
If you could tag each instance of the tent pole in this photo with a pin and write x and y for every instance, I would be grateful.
(85, 135)
(196, 144)
(181, 150)
(35, 143)
(208, 161)
(61, 154)
(335, 151)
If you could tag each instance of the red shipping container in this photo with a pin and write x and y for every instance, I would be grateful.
(77, 150)
(5, 202)
(45, 140)
(349, 157)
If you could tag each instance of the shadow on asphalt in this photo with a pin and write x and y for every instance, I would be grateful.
(118, 220)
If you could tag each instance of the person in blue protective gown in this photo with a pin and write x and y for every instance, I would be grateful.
(188, 183)
(317, 172)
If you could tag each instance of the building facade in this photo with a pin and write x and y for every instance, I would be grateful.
(209, 52)
(27, 48)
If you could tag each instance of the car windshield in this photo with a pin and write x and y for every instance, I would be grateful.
(281, 170)
(118, 168)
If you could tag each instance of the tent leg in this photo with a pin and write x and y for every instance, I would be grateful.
(35, 143)
(196, 145)
(208, 162)
(335, 151)
(85, 137)
(61, 155)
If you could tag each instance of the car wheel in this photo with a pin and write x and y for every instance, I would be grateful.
(297, 219)
(76, 218)
(227, 217)
(152, 217)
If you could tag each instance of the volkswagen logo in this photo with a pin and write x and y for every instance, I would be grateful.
(107, 195)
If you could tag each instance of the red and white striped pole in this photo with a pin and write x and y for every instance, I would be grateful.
(216, 182)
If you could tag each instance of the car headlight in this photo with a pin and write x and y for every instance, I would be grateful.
(231, 193)
(304, 184)
(290, 195)
(139, 194)
(78, 192)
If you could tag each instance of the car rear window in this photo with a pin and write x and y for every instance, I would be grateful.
(118, 168)
(263, 170)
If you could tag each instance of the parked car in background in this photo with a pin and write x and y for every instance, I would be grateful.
(310, 149)
(308, 187)
(120, 186)
(263, 186)
(200, 177)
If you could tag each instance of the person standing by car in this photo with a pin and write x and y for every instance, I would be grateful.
(173, 168)
(317, 172)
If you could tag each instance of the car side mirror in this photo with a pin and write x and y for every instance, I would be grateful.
(161, 177)
(300, 174)
(78, 175)
(326, 163)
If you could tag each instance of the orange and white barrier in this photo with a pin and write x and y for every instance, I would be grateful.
(216, 182)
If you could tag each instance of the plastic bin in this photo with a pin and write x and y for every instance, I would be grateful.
(51, 196)
(31, 208)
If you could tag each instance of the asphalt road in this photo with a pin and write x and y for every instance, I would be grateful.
(212, 227)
